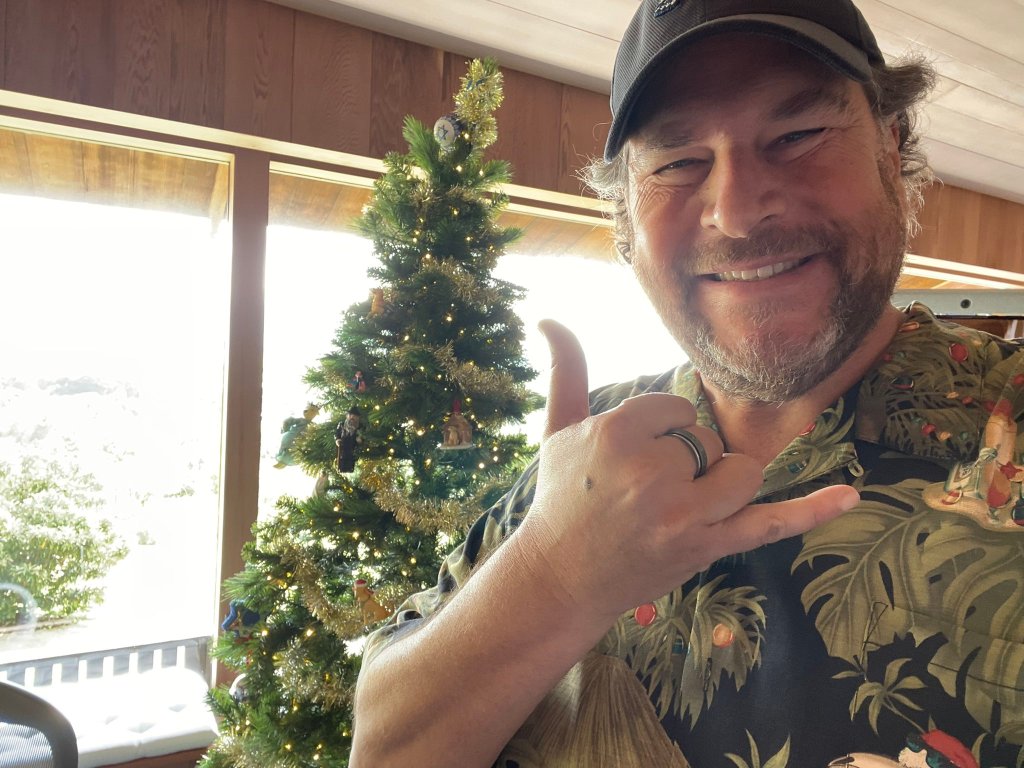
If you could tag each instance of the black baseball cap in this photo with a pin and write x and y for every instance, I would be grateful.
(833, 31)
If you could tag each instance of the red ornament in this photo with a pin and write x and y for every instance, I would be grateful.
(928, 429)
(645, 614)
(1018, 380)
(958, 351)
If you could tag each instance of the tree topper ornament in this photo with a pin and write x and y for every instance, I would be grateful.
(446, 130)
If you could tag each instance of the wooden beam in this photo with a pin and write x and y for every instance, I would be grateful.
(244, 390)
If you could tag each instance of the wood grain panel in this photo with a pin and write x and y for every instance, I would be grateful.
(407, 79)
(455, 68)
(258, 68)
(15, 165)
(105, 174)
(971, 228)
(169, 59)
(61, 49)
(585, 119)
(3, 43)
(315, 204)
(331, 89)
(528, 122)
(1001, 235)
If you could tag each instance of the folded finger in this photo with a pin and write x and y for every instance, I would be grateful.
(695, 449)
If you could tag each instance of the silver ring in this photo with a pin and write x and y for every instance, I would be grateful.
(690, 440)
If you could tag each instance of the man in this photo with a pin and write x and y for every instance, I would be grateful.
(629, 605)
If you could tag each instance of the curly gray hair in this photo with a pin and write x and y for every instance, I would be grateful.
(895, 91)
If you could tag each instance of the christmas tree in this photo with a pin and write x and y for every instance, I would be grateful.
(423, 382)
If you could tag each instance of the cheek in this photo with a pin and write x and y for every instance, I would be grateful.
(659, 214)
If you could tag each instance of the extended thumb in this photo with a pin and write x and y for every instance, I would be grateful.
(568, 396)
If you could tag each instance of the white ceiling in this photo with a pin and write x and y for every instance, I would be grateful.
(974, 124)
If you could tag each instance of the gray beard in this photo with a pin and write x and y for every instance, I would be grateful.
(769, 370)
(764, 369)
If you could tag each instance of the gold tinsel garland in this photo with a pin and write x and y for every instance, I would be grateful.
(301, 680)
(238, 755)
(482, 382)
(467, 287)
(448, 516)
(341, 619)
(385, 473)
(480, 95)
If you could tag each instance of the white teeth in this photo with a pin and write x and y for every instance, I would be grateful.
(761, 273)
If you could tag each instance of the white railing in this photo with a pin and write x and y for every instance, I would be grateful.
(190, 653)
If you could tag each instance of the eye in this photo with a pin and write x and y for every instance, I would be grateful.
(794, 137)
(684, 171)
(682, 164)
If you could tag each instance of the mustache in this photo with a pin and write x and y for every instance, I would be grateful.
(776, 244)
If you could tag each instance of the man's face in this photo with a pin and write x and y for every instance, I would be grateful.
(767, 213)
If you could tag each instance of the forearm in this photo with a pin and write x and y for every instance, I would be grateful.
(458, 688)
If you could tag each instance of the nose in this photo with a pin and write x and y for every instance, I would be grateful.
(740, 192)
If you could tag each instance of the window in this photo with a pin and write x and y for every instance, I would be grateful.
(113, 354)
(601, 302)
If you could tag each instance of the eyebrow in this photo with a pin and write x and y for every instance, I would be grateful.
(810, 99)
(674, 134)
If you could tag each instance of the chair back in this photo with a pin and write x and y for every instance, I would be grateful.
(33, 733)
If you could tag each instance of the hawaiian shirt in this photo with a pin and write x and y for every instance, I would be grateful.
(891, 636)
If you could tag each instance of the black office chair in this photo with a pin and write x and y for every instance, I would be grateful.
(33, 733)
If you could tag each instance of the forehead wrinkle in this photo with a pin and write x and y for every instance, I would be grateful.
(677, 132)
(671, 135)
(830, 97)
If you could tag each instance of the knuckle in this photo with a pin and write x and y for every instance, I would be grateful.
(609, 426)
(774, 529)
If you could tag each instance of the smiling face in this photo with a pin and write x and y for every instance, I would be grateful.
(766, 212)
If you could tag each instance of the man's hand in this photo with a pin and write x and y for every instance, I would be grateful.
(618, 514)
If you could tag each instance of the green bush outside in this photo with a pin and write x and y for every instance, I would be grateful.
(49, 544)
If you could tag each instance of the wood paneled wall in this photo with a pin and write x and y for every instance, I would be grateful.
(971, 228)
(258, 68)
(262, 69)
